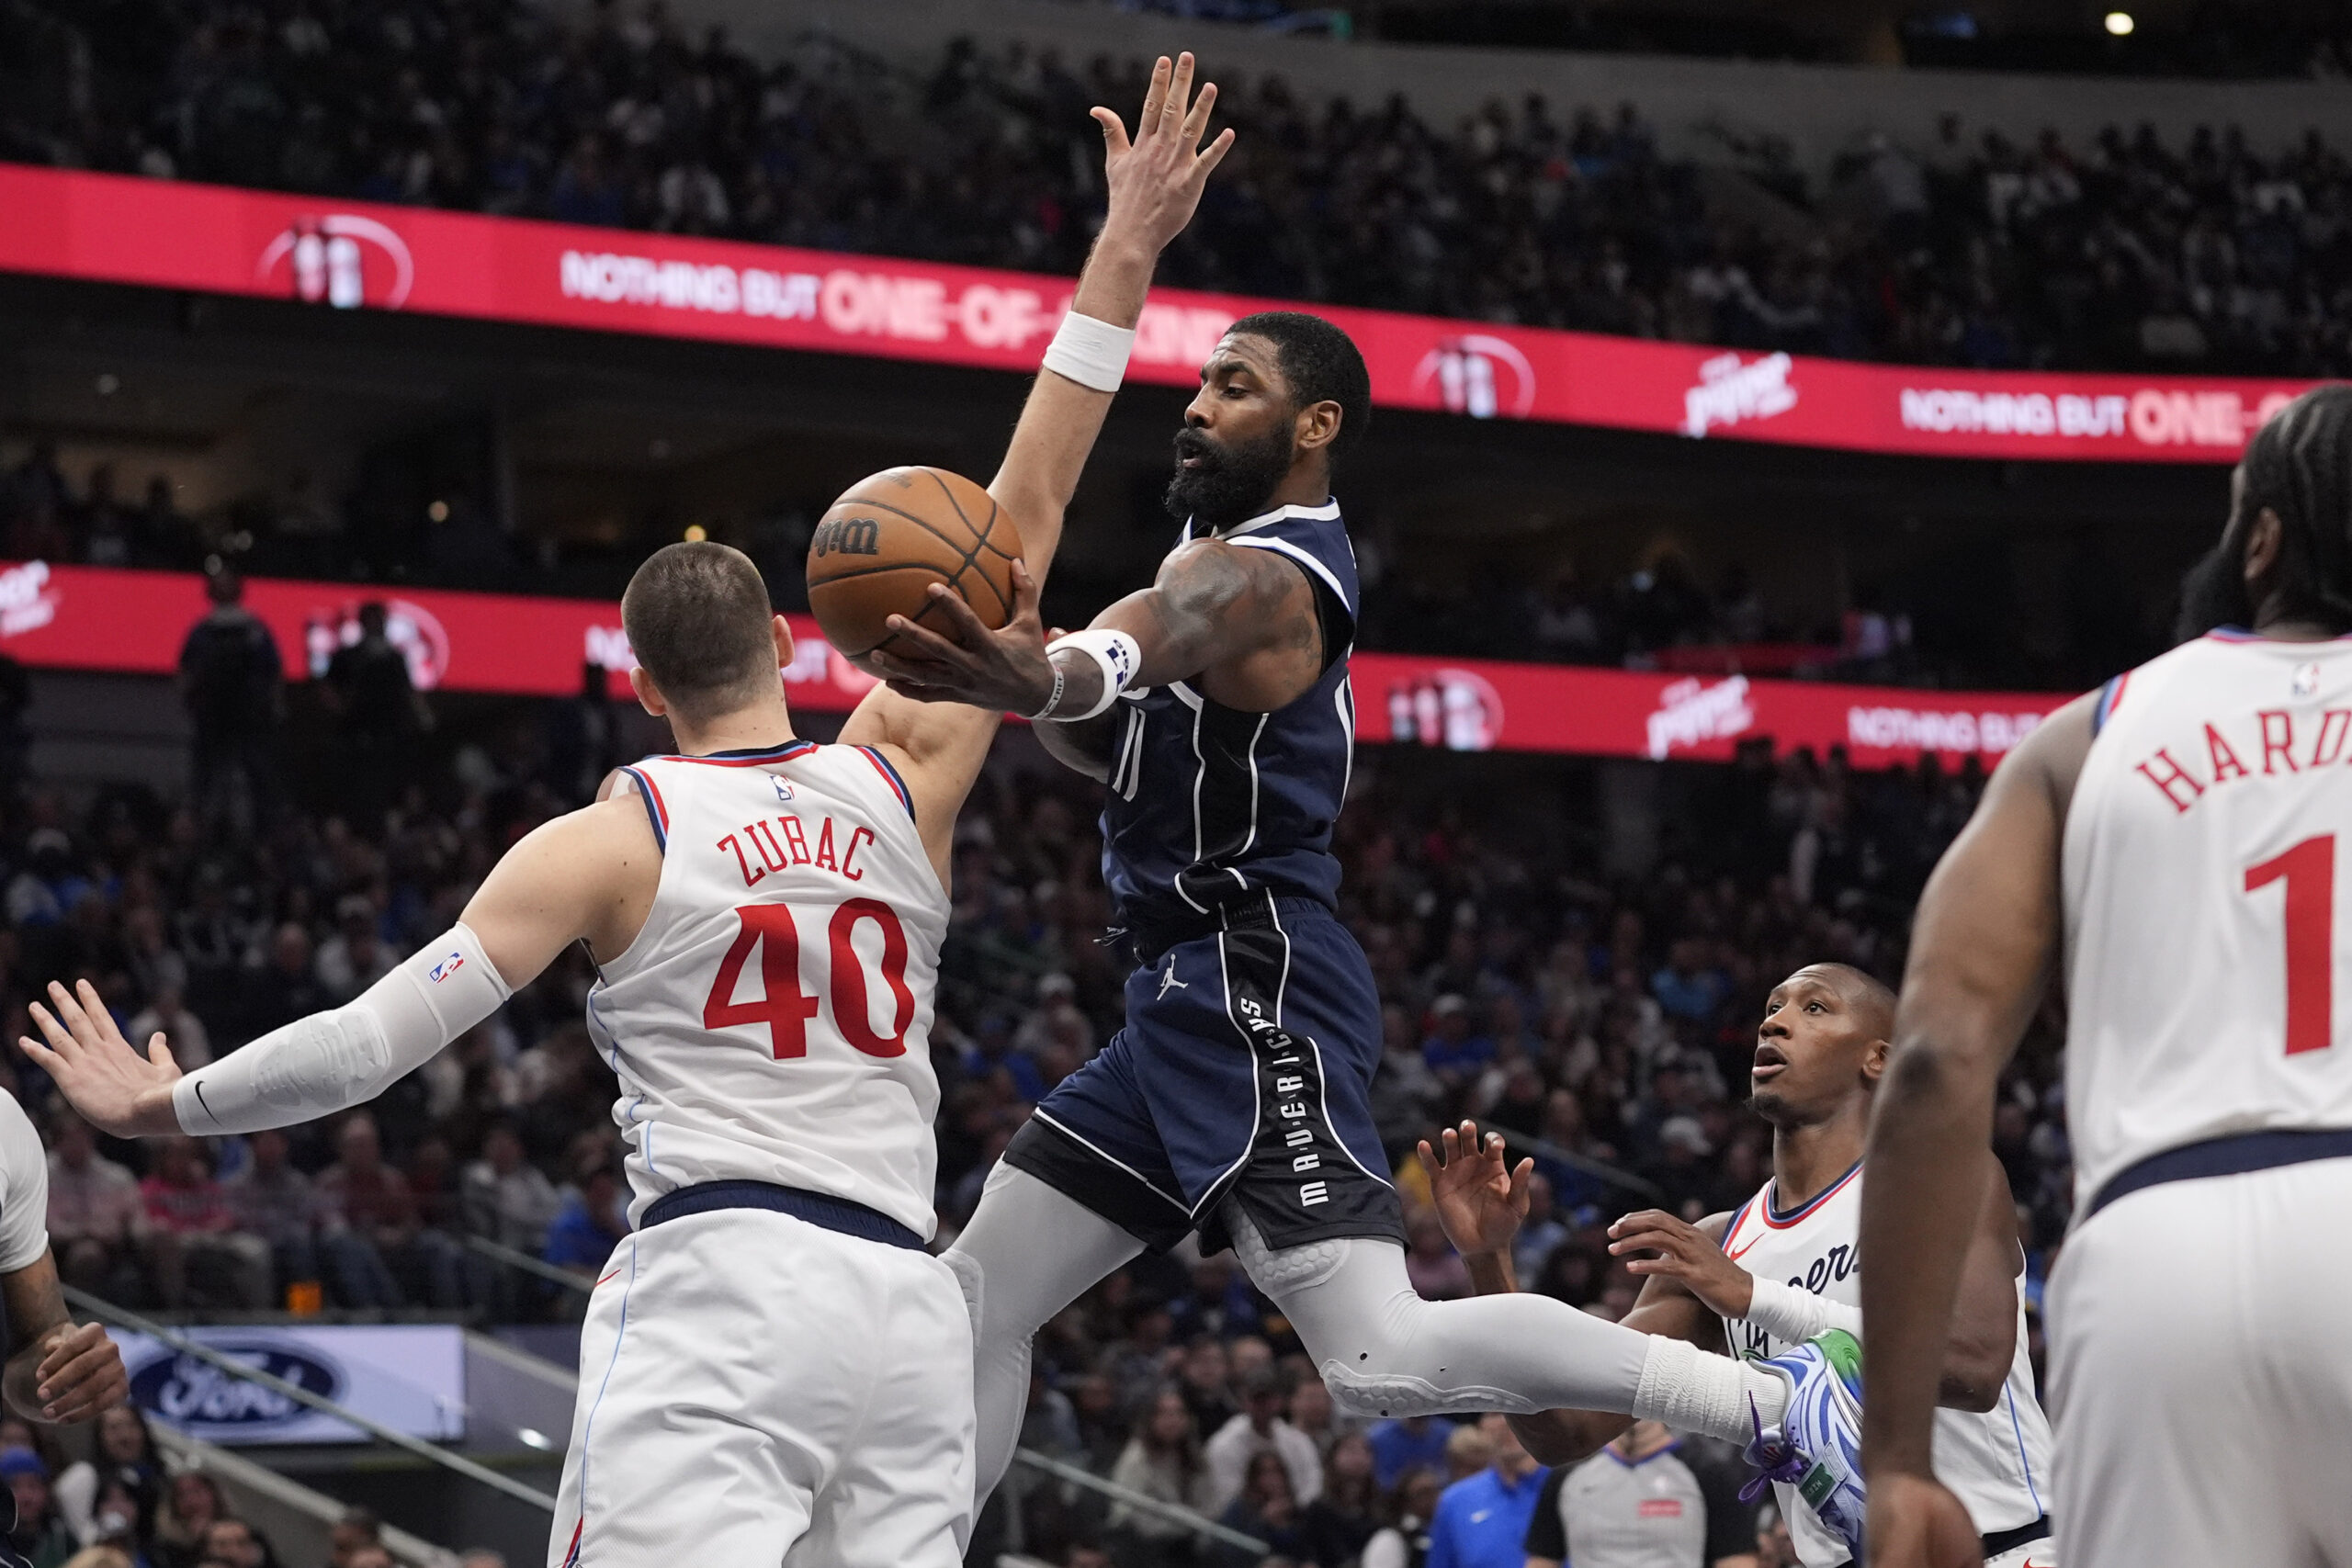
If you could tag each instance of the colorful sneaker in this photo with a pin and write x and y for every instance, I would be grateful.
(1817, 1446)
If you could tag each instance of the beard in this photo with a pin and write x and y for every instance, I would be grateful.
(2213, 593)
(1233, 482)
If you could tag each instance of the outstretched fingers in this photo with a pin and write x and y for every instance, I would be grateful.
(42, 1057)
(1114, 132)
(1180, 91)
(1155, 98)
(1206, 165)
(1196, 121)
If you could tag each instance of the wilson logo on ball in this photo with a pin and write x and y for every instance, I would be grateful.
(848, 536)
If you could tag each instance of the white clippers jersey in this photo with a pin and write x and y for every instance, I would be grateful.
(2207, 984)
(772, 1021)
(1997, 1463)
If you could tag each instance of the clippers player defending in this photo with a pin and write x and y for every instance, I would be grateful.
(2170, 846)
(1214, 706)
(1786, 1266)
(773, 1369)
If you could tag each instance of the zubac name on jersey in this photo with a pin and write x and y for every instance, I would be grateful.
(782, 842)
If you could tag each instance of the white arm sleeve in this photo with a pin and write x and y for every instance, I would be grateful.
(24, 1190)
(1793, 1316)
(331, 1061)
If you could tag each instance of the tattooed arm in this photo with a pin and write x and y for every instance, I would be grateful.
(1239, 624)
(1242, 627)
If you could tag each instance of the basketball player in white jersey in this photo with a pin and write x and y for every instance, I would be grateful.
(2169, 845)
(773, 1370)
(1785, 1267)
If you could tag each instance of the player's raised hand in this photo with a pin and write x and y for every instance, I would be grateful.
(1918, 1523)
(1480, 1199)
(1686, 1254)
(962, 662)
(115, 1090)
(1154, 179)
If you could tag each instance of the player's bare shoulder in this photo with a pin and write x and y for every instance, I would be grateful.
(2051, 756)
(593, 872)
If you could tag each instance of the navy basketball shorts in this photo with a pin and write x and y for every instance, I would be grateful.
(1245, 1069)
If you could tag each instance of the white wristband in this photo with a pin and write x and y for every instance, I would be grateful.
(1792, 1314)
(1053, 698)
(1116, 654)
(1093, 354)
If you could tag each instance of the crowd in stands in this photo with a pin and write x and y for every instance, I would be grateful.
(122, 1504)
(1648, 617)
(1994, 246)
(1607, 1013)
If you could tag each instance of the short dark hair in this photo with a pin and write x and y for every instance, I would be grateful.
(1321, 362)
(2300, 465)
(697, 615)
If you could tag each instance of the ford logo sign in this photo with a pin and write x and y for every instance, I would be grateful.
(185, 1390)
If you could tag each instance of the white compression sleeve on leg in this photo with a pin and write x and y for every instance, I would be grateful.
(1385, 1351)
(1792, 1314)
(1690, 1390)
(331, 1061)
(1034, 1250)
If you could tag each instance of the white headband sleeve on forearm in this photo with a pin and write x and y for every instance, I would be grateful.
(332, 1061)
(1116, 654)
(1093, 354)
(1792, 1314)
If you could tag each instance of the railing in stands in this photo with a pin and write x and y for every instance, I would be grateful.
(522, 1263)
(107, 1311)
(1599, 1170)
(432, 1453)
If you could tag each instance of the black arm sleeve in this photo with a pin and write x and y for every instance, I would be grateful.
(1547, 1532)
(1731, 1524)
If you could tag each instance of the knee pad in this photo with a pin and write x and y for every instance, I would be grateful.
(1370, 1392)
(1292, 1268)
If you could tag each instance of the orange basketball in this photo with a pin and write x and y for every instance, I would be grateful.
(894, 533)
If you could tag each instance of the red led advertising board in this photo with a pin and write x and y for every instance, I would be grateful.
(71, 617)
(338, 253)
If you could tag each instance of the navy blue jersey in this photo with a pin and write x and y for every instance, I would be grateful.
(1209, 806)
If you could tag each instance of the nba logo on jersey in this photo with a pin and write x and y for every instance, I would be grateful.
(2306, 682)
(446, 967)
(783, 790)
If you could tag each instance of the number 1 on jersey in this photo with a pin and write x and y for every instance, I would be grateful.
(2309, 872)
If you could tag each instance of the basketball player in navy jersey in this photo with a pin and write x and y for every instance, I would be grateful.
(1214, 706)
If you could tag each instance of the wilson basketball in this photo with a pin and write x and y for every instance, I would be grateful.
(894, 533)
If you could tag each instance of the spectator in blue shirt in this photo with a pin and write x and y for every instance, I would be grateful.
(1482, 1521)
(1689, 988)
(592, 1221)
(1452, 1051)
(1417, 1442)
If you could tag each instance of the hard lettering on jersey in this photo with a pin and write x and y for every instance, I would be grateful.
(771, 1020)
(2207, 975)
(1996, 1461)
(1208, 805)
